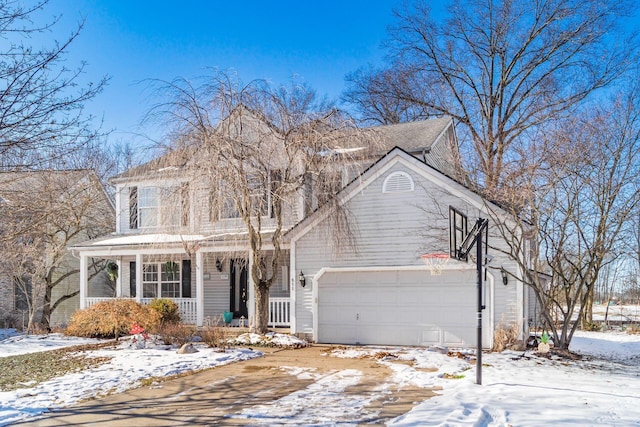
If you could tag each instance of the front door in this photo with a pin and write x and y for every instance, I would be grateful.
(238, 285)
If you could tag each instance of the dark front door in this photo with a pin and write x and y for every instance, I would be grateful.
(238, 285)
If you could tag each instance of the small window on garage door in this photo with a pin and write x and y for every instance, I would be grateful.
(398, 182)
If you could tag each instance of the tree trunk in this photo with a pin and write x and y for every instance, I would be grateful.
(262, 307)
(45, 319)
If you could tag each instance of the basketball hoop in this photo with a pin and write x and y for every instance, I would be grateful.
(435, 262)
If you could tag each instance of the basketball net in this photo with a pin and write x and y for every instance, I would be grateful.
(435, 262)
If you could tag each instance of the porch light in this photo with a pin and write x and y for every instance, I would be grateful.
(505, 276)
(302, 279)
(218, 265)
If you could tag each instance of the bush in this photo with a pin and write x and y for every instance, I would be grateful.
(592, 326)
(112, 319)
(215, 337)
(169, 311)
(176, 333)
(505, 336)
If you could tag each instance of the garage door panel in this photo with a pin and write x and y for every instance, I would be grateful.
(412, 309)
(340, 334)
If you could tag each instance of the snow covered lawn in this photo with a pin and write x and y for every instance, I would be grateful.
(527, 389)
(127, 368)
(519, 388)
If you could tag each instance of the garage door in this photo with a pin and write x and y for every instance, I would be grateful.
(399, 307)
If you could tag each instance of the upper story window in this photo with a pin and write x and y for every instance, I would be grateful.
(158, 206)
(398, 182)
(148, 209)
(262, 191)
(319, 188)
(221, 205)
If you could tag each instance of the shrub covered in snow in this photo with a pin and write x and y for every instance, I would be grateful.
(271, 339)
(112, 319)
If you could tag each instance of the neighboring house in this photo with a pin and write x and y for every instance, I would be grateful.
(41, 213)
(169, 243)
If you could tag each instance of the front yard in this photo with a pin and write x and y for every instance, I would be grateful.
(519, 388)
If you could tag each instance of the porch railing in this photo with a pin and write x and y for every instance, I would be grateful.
(279, 312)
(186, 306)
(279, 309)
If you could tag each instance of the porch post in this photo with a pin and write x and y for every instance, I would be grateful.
(83, 281)
(199, 290)
(139, 277)
(251, 303)
(119, 279)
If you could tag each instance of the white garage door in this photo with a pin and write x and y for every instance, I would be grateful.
(399, 307)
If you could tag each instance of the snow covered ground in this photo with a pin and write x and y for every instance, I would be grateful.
(519, 388)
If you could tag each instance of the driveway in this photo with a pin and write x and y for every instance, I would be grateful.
(277, 383)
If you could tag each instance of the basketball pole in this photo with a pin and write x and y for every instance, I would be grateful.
(479, 312)
(474, 237)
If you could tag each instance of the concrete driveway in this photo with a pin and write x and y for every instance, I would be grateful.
(219, 396)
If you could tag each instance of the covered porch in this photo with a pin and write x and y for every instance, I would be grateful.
(204, 280)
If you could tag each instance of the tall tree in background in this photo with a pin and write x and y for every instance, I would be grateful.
(260, 147)
(41, 100)
(42, 213)
(571, 207)
(501, 69)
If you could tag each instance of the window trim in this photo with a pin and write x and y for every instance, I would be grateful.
(138, 211)
(160, 270)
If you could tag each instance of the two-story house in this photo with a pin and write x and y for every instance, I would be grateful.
(174, 240)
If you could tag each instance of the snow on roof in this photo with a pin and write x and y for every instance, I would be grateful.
(143, 239)
(162, 238)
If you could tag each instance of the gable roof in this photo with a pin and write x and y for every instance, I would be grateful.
(25, 181)
(384, 163)
(417, 138)
(413, 136)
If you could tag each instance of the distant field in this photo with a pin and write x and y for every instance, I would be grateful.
(617, 313)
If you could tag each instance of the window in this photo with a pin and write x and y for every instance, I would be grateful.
(161, 279)
(185, 206)
(148, 207)
(22, 292)
(328, 185)
(149, 281)
(152, 206)
(221, 204)
(261, 193)
(398, 182)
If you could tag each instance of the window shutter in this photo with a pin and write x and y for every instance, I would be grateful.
(132, 279)
(186, 278)
(184, 205)
(133, 208)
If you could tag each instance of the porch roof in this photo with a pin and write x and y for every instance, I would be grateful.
(187, 241)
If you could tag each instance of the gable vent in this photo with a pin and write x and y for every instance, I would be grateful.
(398, 182)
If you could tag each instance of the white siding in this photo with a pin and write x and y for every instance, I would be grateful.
(216, 288)
(392, 229)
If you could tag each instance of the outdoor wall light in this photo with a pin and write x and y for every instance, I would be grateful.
(302, 279)
(505, 276)
(218, 265)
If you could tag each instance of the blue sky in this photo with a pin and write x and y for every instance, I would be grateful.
(136, 40)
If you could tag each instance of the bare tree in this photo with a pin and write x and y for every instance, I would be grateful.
(501, 69)
(570, 208)
(42, 213)
(260, 147)
(41, 100)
